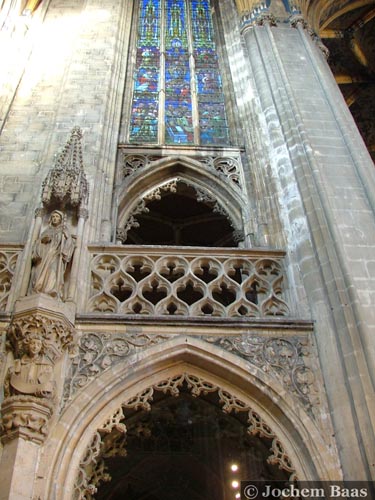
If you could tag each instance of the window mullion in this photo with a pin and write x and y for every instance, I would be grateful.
(193, 86)
(162, 82)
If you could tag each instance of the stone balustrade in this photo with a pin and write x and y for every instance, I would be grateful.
(192, 282)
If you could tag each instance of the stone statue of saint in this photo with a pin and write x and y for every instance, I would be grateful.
(32, 374)
(50, 255)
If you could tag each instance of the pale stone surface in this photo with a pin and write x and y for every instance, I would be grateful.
(305, 186)
(17, 473)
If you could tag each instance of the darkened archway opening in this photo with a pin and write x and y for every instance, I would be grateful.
(183, 449)
(183, 217)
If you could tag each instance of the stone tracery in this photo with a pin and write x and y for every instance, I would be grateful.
(8, 263)
(227, 167)
(92, 470)
(226, 170)
(187, 285)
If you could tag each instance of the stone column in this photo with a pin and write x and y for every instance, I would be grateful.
(324, 182)
(82, 217)
(18, 465)
(23, 273)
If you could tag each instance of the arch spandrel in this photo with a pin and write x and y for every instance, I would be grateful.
(91, 408)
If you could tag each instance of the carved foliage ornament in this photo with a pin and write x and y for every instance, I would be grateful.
(122, 233)
(284, 359)
(226, 167)
(56, 334)
(287, 360)
(25, 416)
(108, 440)
(97, 352)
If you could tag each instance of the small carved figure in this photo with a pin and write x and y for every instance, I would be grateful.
(50, 256)
(33, 373)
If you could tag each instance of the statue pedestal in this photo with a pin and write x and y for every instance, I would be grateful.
(40, 302)
(40, 333)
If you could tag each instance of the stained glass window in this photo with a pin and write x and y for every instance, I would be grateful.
(177, 93)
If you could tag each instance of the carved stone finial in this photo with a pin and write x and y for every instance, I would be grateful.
(66, 183)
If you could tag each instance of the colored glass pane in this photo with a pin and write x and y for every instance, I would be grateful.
(178, 107)
(144, 116)
(213, 127)
(167, 76)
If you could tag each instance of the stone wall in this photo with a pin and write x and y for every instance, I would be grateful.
(305, 185)
(74, 77)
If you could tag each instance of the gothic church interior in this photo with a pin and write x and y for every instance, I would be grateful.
(187, 241)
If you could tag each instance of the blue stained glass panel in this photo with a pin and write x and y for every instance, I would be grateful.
(144, 115)
(213, 127)
(178, 122)
(149, 23)
(202, 24)
(185, 23)
(178, 115)
(176, 22)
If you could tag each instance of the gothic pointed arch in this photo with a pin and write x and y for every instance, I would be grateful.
(75, 444)
(222, 190)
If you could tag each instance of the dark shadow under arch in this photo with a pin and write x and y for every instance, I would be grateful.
(218, 194)
(185, 447)
(178, 218)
